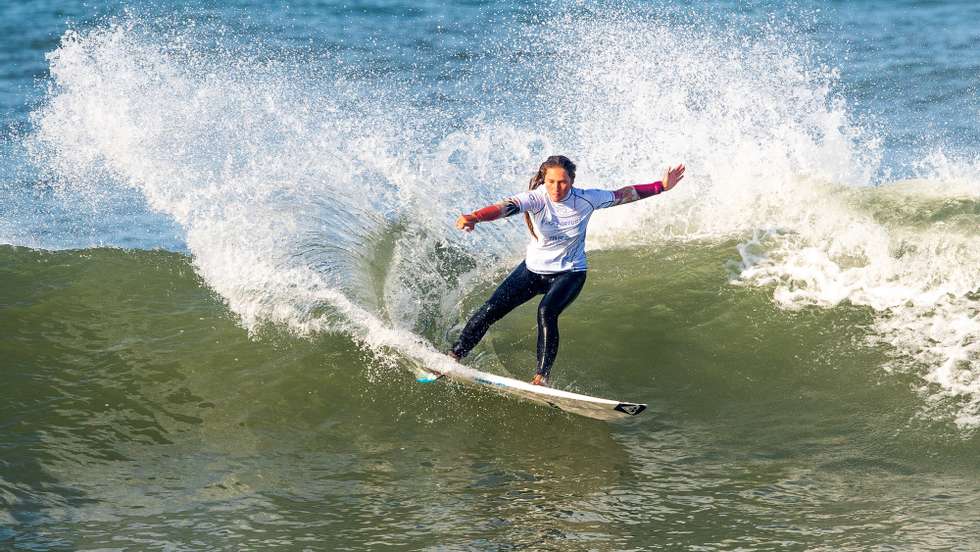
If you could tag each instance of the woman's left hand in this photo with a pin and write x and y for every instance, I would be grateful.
(673, 176)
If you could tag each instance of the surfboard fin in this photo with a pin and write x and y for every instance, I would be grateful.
(429, 377)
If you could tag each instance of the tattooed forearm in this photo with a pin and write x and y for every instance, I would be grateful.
(625, 195)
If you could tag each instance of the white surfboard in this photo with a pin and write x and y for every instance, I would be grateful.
(583, 405)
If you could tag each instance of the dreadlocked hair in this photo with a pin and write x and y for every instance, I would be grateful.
(555, 161)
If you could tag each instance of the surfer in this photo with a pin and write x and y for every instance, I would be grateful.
(557, 215)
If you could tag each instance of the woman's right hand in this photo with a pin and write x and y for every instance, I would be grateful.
(466, 222)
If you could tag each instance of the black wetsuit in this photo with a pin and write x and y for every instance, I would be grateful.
(559, 291)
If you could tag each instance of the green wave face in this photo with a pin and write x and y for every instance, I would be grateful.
(130, 389)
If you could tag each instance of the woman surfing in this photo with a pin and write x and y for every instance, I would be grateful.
(557, 215)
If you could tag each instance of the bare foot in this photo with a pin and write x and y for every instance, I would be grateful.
(540, 380)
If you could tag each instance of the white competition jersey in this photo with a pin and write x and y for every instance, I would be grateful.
(560, 226)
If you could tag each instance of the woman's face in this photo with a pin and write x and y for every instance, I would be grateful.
(557, 183)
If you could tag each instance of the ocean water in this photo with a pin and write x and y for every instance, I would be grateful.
(226, 240)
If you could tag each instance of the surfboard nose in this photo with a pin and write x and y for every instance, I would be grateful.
(631, 408)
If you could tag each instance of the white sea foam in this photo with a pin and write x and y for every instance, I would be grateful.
(288, 185)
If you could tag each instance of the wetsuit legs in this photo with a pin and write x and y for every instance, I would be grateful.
(559, 291)
(515, 290)
(563, 289)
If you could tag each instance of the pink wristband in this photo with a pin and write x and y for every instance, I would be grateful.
(647, 190)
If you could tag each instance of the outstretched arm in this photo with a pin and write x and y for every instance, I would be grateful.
(498, 210)
(629, 194)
